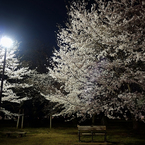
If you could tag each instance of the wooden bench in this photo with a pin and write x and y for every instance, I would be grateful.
(91, 131)
(20, 133)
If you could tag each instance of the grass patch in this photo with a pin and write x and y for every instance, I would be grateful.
(120, 134)
(42, 136)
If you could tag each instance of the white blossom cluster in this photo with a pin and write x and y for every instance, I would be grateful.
(101, 60)
(13, 71)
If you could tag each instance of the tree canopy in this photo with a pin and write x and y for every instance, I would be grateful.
(14, 75)
(101, 59)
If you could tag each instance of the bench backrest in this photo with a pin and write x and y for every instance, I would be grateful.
(91, 128)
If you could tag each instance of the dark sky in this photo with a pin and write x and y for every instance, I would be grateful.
(27, 20)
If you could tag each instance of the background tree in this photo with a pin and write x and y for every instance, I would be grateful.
(14, 76)
(45, 88)
(41, 54)
(38, 61)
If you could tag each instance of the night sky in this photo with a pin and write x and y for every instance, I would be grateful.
(26, 20)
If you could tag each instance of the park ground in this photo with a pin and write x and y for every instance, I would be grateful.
(119, 132)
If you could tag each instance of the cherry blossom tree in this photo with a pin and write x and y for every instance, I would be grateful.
(14, 76)
(101, 59)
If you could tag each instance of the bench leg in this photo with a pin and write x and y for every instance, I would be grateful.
(79, 136)
(105, 138)
(92, 135)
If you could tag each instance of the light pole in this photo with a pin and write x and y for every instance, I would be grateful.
(5, 43)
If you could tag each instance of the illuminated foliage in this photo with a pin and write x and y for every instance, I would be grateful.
(101, 59)
(13, 76)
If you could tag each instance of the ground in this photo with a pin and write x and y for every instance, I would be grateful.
(118, 132)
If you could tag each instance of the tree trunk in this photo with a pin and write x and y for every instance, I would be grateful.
(22, 121)
(50, 121)
(93, 119)
(18, 119)
(136, 128)
(103, 120)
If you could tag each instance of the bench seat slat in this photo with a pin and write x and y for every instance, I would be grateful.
(99, 133)
(8, 133)
(91, 127)
(86, 133)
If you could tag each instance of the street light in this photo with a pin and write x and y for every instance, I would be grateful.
(5, 43)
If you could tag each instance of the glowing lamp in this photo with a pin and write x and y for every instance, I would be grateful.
(6, 42)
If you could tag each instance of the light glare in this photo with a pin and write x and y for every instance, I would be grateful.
(6, 42)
